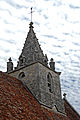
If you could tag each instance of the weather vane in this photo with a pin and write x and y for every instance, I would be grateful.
(31, 13)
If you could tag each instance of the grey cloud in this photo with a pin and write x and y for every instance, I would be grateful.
(8, 31)
(6, 22)
(73, 79)
(62, 40)
(76, 33)
(20, 31)
(23, 18)
(47, 0)
(50, 36)
(59, 46)
(76, 55)
(12, 3)
(9, 41)
(57, 3)
(76, 66)
(68, 34)
(74, 7)
(66, 86)
(7, 51)
(39, 11)
(65, 16)
(4, 49)
(2, 67)
(74, 62)
(43, 42)
(58, 62)
(57, 69)
(75, 43)
(74, 22)
(57, 53)
(46, 17)
(37, 23)
(3, 58)
(13, 59)
(6, 10)
(65, 53)
(29, 0)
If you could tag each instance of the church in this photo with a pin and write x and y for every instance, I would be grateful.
(31, 90)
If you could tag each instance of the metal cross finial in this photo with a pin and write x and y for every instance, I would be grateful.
(31, 14)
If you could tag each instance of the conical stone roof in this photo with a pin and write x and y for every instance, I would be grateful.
(31, 51)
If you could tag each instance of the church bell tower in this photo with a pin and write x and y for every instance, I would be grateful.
(39, 76)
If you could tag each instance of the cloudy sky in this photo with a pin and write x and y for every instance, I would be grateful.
(57, 26)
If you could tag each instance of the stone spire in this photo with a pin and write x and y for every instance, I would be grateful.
(31, 51)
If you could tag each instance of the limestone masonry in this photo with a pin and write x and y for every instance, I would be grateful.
(39, 76)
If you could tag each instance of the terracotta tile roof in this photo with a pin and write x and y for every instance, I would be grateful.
(70, 111)
(54, 116)
(17, 102)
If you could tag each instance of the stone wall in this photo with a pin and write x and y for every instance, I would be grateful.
(35, 76)
(54, 97)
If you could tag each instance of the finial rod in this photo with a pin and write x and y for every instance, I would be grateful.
(31, 14)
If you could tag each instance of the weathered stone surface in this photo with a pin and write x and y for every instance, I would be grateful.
(36, 80)
(32, 69)
(9, 65)
(31, 51)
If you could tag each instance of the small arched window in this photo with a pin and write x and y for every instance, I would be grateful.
(49, 81)
(21, 75)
